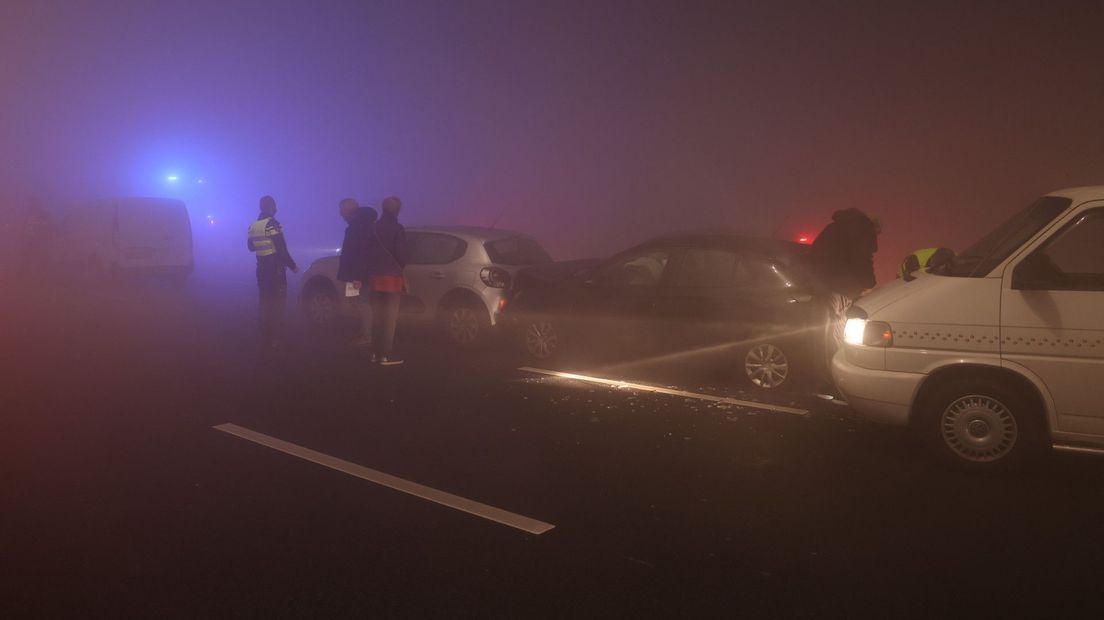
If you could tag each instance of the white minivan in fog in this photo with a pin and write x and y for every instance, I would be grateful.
(999, 354)
(128, 235)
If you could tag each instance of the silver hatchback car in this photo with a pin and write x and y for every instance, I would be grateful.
(456, 278)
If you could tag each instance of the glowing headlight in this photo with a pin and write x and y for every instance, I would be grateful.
(854, 330)
(869, 333)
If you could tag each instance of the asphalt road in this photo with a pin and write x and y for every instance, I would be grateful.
(120, 499)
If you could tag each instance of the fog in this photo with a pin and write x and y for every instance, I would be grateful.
(589, 125)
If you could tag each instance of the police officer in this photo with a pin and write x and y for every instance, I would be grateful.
(266, 240)
(925, 260)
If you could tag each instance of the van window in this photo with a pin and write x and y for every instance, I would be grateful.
(982, 257)
(1076, 255)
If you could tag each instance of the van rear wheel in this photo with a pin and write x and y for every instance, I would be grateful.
(981, 426)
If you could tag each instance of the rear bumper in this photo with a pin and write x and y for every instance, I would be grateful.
(879, 395)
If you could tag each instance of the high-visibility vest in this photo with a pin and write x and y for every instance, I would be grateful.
(921, 260)
(260, 237)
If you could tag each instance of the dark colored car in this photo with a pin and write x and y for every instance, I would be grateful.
(746, 298)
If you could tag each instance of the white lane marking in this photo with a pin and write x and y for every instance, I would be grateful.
(750, 404)
(462, 504)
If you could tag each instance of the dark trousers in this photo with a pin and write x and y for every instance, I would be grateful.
(364, 304)
(270, 315)
(272, 287)
(833, 307)
(385, 314)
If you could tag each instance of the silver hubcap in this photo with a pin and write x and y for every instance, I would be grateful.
(766, 366)
(979, 428)
(540, 339)
(321, 308)
(464, 325)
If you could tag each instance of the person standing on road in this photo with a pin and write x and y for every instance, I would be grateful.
(353, 263)
(842, 259)
(386, 260)
(266, 240)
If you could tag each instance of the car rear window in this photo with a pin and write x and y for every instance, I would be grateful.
(434, 248)
(516, 251)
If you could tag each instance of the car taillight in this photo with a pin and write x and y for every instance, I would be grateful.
(495, 277)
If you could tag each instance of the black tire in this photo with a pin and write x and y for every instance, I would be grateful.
(465, 323)
(542, 338)
(320, 304)
(981, 426)
(765, 365)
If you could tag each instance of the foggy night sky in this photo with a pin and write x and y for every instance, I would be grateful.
(591, 125)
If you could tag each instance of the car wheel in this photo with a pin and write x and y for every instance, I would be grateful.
(320, 305)
(766, 365)
(981, 426)
(542, 338)
(465, 324)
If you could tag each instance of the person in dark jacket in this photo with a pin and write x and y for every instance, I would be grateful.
(386, 260)
(266, 240)
(842, 259)
(352, 265)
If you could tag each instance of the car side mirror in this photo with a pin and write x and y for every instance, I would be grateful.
(1034, 273)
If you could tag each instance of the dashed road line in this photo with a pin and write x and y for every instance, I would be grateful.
(456, 502)
(643, 387)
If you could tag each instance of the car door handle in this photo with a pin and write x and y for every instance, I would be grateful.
(438, 275)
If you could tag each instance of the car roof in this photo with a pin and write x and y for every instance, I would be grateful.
(469, 233)
(733, 241)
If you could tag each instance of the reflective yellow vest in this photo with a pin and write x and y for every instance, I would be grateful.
(260, 237)
(920, 260)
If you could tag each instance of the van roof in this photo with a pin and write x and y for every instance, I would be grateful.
(1081, 194)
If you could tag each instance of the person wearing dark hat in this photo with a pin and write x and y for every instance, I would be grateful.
(842, 259)
(352, 268)
(266, 240)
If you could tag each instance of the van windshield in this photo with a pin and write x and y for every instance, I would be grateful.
(982, 257)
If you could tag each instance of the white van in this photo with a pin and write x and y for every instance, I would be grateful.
(999, 354)
(128, 235)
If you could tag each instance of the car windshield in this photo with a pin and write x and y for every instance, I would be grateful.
(516, 251)
(982, 257)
